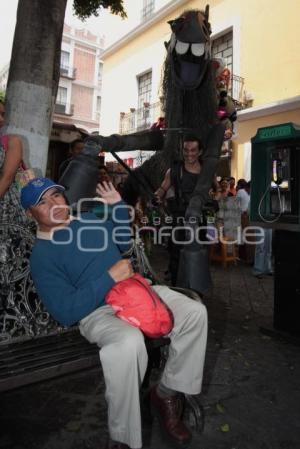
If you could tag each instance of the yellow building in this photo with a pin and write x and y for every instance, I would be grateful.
(259, 40)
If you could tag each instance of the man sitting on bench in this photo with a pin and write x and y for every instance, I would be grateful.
(74, 263)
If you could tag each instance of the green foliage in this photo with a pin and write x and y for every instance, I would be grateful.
(2, 96)
(86, 8)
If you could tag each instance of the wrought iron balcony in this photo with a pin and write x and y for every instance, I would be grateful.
(68, 72)
(236, 91)
(139, 119)
(64, 108)
(143, 118)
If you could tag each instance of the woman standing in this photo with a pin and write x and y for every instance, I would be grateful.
(21, 312)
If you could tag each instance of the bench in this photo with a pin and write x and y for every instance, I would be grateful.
(41, 358)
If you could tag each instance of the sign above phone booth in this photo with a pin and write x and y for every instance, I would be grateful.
(275, 177)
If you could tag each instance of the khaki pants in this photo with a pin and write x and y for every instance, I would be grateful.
(124, 359)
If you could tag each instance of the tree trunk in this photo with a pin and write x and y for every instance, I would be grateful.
(34, 75)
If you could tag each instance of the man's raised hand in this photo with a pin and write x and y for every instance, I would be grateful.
(108, 193)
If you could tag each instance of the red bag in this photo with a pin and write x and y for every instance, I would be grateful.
(137, 303)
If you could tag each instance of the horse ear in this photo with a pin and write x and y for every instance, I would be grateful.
(206, 13)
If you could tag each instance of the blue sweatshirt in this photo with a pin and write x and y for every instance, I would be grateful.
(70, 271)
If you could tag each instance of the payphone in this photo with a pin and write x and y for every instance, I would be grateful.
(284, 194)
(275, 176)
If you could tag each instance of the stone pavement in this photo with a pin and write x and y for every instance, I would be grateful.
(251, 390)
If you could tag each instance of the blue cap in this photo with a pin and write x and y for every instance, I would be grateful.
(35, 189)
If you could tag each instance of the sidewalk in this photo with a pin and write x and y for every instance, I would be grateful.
(251, 390)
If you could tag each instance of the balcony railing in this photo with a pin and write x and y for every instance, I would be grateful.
(139, 119)
(143, 118)
(64, 108)
(68, 72)
(236, 91)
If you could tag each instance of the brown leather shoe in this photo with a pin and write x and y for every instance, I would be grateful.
(169, 413)
(115, 445)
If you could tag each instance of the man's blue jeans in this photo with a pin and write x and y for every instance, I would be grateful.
(263, 255)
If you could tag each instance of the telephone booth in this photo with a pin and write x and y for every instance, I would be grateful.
(275, 203)
(275, 176)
